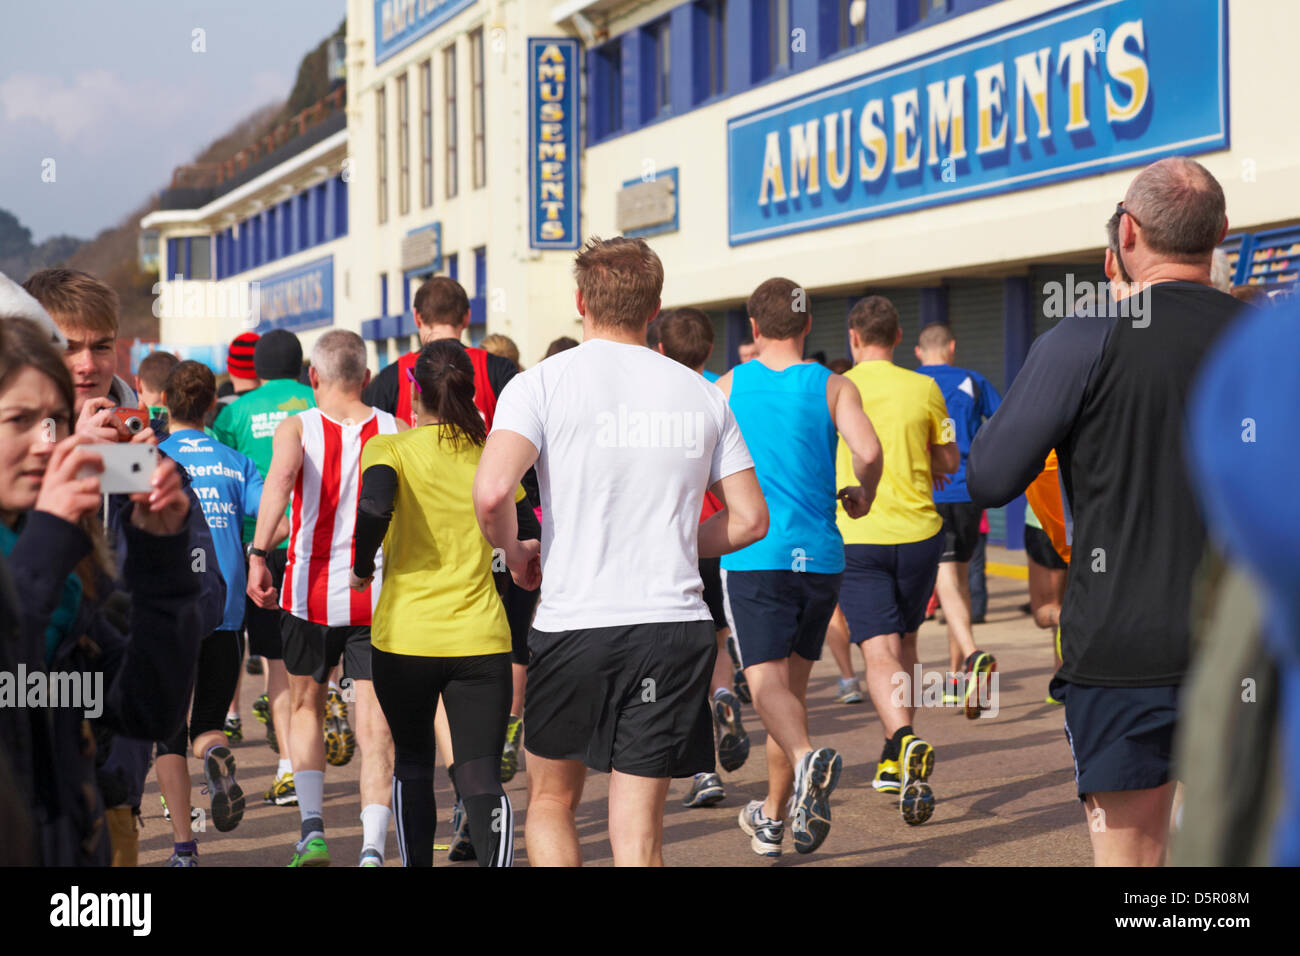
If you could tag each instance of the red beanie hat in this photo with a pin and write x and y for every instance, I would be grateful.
(239, 361)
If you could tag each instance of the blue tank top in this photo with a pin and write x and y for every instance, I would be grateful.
(791, 437)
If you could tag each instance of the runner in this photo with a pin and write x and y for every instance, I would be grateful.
(970, 398)
(686, 337)
(837, 639)
(1109, 394)
(441, 309)
(782, 590)
(317, 459)
(891, 557)
(439, 629)
(228, 486)
(623, 645)
(248, 425)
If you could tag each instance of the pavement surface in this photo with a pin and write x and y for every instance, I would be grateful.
(1004, 785)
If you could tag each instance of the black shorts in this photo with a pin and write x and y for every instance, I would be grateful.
(519, 605)
(961, 529)
(312, 650)
(774, 614)
(263, 625)
(711, 575)
(1121, 738)
(887, 586)
(220, 655)
(632, 698)
(1038, 545)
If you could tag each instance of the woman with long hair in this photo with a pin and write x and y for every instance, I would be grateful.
(439, 629)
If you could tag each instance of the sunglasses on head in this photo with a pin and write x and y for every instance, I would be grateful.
(1121, 211)
(410, 373)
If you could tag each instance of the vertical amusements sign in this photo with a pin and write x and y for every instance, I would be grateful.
(553, 215)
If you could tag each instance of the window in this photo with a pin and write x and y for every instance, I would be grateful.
(286, 227)
(304, 235)
(449, 135)
(426, 134)
(912, 12)
(273, 250)
(845, 34)
(381, 141)
(200, 258)
(480, 271)
(403, 147)
(257, 256)
(318, 192)
(383, 293)
(710, 49)
(778, 35)
(658, 69)
(606, 114)
(478, 108)
(340, 207)
(452, 267)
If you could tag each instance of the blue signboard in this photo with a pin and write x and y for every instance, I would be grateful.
(1081, 90)
(399, 23)
(553, 217)
(297, 299)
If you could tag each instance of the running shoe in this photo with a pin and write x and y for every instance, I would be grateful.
(282, 792)
(262, 709)
(167, 814)
(234, 728)
(510, 752)
(738, 677)
(227, 798)
(951, 691)
(253, 665)
(916, 801)
(315, 853)
(461, 847)
(733, 742)
(340, 741)
(183, 859)
(814, 781)
(889, 776)
(850, 691)
(371, 857)
(706, 790)
(765, 833)
(978, 667)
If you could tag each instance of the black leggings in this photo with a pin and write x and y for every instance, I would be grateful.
(220, 656)
(477, 693)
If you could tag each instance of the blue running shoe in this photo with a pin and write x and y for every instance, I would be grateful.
(814, 781)
(766, 833)
(461, 847)
(706, 790)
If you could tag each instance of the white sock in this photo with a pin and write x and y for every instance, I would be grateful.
(310, 785)
(374, 827)
(283, 767)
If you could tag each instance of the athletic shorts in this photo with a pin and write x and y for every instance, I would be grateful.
(774, 614)
(1121, 738)
(887, 586)
(632, 698)
(263, 625)
(312, 650)
(961, 529)
(711, 575)
(1038, 545)
(220, 656)
(519, 605)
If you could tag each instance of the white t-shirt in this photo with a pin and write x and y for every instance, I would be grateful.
(628, 442)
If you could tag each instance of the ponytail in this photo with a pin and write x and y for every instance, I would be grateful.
(445, 377)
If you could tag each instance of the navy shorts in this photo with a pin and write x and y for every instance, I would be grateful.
(887, 586)
(774, 614)
(1122, 738)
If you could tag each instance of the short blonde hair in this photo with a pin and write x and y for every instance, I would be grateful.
(75, 299)
(502, 345)
(620, 280)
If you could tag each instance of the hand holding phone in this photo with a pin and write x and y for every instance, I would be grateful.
(128, 468)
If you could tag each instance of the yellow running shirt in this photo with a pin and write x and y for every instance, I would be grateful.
(908, 413)
(437, 599)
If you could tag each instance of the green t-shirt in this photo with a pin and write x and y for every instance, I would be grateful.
(248, 425)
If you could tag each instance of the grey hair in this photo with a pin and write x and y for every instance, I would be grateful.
(1220, 271)
(339, 356)
(1180, 209)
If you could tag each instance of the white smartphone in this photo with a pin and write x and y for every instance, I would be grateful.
(128, 468)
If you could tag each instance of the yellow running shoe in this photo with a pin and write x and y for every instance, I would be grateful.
(889, 777)
(916, 800)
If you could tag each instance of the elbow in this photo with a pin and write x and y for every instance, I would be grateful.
(756, 525)
(491, 496)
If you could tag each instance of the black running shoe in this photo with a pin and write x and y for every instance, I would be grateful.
(226, 796)
(733, 742)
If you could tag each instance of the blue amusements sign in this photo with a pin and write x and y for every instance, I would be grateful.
(553, 143)
(299, 298)
(399, 23)
(1088, 88)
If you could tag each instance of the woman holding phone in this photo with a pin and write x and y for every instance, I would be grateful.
(64, 577)
(439, 628)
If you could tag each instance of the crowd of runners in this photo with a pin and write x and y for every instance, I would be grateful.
(603, 560)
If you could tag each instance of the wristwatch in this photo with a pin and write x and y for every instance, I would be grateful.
(251, 551)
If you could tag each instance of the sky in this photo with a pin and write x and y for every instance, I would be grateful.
(117, 96)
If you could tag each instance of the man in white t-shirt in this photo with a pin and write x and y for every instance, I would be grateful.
(626, 441)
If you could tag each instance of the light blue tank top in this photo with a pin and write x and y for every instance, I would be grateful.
(792, 439)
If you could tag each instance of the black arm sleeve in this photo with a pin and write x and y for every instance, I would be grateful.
(1038, 412)
(374, 513)
(381, 393)
(528, 526)
(499, 372)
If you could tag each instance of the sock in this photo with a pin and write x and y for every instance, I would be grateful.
(189, 848)
(283, 767)
(232, 715)
(374, 827)
(310, 785)
(720, 690)
(893, 746)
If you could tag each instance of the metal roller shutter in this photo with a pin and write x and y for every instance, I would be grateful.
(975, 314)
(829, 333)
(1041, 279)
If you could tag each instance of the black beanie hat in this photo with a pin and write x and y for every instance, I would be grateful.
(278, 355)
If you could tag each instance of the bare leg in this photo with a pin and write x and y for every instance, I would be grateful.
(442, 735)
(1046, 589)
(308, 700)
(277, 692)
(554, 792)
(636, 819)
(376, 743)
(519, 679)
(780, 764)
(174, 782)
(722, 676)
(837, 639)
(953, 587)
(1130, 827)
(889, 681)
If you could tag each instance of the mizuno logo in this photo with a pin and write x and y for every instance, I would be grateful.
(193, 444)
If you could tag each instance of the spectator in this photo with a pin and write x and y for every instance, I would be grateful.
(502, 346)
(241, 369)
(562, 344)
(149, 377)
